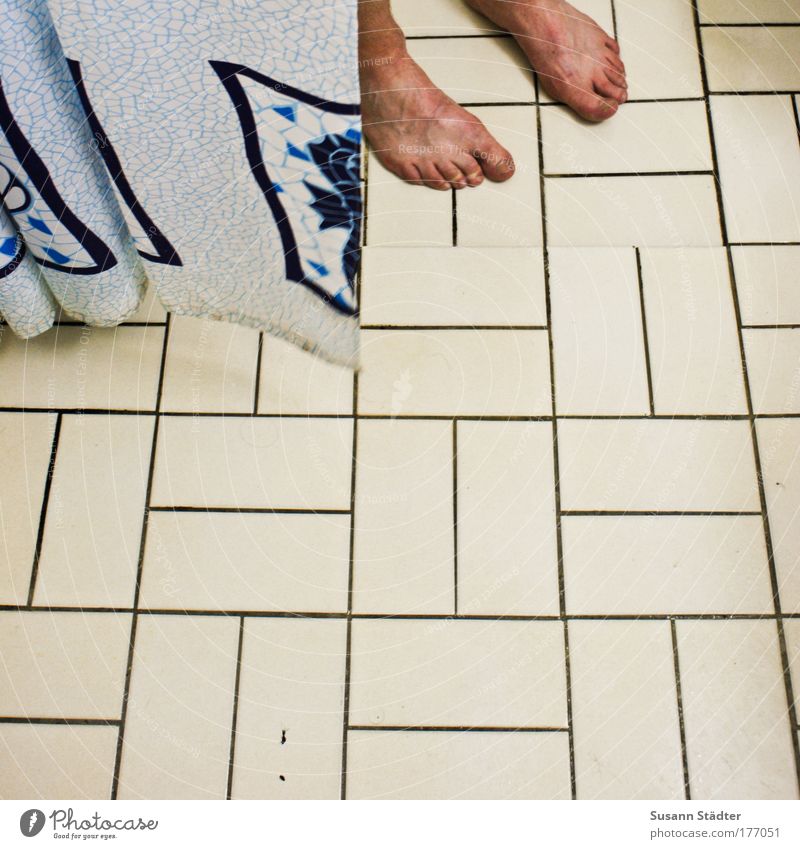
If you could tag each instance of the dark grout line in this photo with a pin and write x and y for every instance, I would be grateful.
(796, 116)
(350, 584)
(599, 174)
(762, 244)
(762, 93)
(455, 517)
(465, 417)
(753, 25)
(556, 469)
(140, 566)
(301, 511)
(475, 104)
(234, 717)
(776, 415)
(78, 411)
(771, 327)
(455, 217)
(257, 386)
(481, 729)
(454, 327)
(708, 513)
(56, 720)
(644, 332)
(773, 575)
(422, 617)
(640, 100)
(710, 123)
(687, 790)
(51, 467)
(614, 20)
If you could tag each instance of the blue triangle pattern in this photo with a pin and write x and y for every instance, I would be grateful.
(38, 224)
(295, 151)
(287, 111)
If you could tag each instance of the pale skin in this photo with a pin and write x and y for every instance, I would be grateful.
(424, 137)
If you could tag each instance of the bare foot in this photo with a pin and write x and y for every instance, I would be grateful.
(419, 133)
(577, 62)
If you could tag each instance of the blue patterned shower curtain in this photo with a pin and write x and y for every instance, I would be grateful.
(210, 147)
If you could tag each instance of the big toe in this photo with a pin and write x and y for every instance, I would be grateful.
(495, 161)
(594, 107)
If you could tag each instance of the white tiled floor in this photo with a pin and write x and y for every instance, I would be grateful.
(545, 545)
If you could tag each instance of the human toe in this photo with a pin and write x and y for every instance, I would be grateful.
(495, 161)
(469, 167)
(432, 177)
(594, 107)
(606, 89)
(452, 174)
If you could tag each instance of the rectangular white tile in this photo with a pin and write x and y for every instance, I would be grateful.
(751, 58)
(457, 765)
(399, 213)
(625, 711)
(210, 367)
(768, 283)
(457, 673)
(454, 372)
(90, 548)
(657, 465)
(294, 382)
(598, 345)
(773, 366)
(632, 210)
(507, 558)
(642, 137)
(738, 738)
(759, 164)
(82, 367)
(439, 17)
(659, 48)
(26, 441)
(748, 11)
(454, 17)
(482, 70)
(453, 286)
(242, 462)
(180, 708)
(779, 447)
(59, 665)
(289, 721)
(695, 360)
(629, 565)
(246, 561)
(403, 549)
(506, 213)
(600, 11)
(57, 761)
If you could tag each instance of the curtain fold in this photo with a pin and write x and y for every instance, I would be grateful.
(210, 148)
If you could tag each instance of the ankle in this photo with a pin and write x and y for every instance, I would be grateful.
(380, 47)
